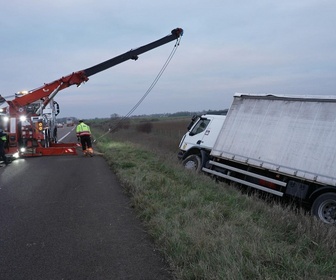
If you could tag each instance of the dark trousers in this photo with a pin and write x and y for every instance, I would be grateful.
(86, 142)
(2, 152)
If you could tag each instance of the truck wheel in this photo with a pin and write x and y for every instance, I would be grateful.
(324, 207)
(192, 162)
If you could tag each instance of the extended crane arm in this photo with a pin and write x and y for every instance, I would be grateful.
(79, 77)
(133, 54)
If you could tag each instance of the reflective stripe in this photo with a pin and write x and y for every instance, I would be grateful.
(84, 133)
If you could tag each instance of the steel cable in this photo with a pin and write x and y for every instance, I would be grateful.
(158, 76)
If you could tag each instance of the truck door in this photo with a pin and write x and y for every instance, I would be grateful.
(199, 131)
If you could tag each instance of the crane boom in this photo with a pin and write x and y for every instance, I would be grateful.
(79, 77)
(133, 54)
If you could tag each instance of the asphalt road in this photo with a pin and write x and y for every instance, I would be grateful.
(66, 217)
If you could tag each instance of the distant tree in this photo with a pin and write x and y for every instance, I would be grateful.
(114, 116)
(218, 112)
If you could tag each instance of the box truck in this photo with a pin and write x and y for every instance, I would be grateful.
(278, 144)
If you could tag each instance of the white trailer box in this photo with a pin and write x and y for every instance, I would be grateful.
(294, 135)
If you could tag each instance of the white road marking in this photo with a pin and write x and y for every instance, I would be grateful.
(66, 134)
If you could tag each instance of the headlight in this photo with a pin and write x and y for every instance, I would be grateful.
(6, 118)
(16, 155)
(23, 118)
(22, 150)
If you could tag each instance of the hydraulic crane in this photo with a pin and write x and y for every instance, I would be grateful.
(30, 118)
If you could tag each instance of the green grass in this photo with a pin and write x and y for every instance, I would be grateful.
(209, 230)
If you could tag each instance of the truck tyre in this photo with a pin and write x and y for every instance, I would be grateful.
(324, 208)
(192, 162)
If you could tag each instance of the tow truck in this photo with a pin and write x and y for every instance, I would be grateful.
(30, 118)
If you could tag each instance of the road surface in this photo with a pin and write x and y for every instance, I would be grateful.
(66, 217)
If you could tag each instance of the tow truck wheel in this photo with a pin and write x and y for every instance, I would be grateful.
(192, 162)
(324, 208)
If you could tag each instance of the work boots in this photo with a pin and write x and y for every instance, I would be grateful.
(88, 152)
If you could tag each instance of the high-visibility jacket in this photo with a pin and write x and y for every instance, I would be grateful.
(83, 129)
(3, 136)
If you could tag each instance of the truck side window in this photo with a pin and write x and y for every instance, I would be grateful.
(199, 127)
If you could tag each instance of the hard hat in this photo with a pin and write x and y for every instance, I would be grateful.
(80, 121)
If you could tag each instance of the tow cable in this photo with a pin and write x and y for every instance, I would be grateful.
(158, 76)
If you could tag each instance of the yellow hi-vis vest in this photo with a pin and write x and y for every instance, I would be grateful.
(83, 129)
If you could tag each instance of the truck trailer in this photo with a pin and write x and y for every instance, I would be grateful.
(278, 144)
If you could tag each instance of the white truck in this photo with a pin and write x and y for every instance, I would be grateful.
(70, 122)
(282, 145)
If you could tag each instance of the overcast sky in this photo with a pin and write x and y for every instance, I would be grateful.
(280, 47)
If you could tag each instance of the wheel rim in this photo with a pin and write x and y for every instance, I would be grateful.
(190, 164)
(327, 211)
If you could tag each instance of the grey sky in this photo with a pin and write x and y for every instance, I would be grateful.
(279, 47)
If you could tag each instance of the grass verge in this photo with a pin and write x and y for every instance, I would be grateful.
(209, 230)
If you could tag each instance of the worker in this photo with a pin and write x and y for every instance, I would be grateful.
(3, 139)
(84, 136)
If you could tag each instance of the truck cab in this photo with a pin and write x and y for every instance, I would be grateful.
(196, 144)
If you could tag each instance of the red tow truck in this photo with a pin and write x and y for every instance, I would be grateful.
(30, 118)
